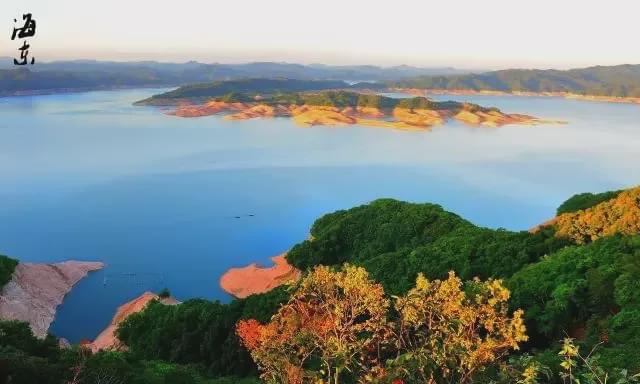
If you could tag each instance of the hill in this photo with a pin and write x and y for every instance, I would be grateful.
(617, 81)
(586, 290)
(239, 90)
(618, 212)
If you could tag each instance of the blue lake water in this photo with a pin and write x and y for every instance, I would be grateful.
(91, 177)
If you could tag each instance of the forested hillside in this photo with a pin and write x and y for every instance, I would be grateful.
(402, 279)
(619, 81)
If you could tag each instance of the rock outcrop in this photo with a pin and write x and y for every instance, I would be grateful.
(252, 279)
(36, 290)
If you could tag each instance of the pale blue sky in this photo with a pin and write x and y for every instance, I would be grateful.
(462, 33)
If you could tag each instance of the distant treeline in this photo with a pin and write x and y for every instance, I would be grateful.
(619, 81)
(300, 92)
(245, 89)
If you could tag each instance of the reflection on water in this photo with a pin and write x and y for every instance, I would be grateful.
(167, 201)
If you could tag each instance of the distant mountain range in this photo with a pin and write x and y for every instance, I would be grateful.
(90, 74)
(617, 81)
(78, 75)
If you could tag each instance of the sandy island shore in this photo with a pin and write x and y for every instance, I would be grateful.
(107, 339)
(36, 290)
(396, 118)
(252, 279)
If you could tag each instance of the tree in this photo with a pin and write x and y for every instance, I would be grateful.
(338, 327)
(446, 334)
(331, 328)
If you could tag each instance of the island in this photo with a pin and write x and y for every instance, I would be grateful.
(262, 98)
(35, 291)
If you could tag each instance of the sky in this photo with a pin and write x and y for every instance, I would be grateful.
(461, 33)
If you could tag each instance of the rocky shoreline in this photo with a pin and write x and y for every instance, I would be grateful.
(36, 290)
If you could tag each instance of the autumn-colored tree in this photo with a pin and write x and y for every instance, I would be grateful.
(336, 326)
(332, 327)
(446, 334)
(618, 215)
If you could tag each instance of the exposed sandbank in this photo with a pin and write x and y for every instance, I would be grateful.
(252, 279)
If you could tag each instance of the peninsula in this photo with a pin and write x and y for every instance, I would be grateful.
(35, 291)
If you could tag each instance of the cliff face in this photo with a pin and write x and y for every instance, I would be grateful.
(107, 339)
(36, 290)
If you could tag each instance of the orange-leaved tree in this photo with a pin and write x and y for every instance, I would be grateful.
(333, 326)
(337, 325)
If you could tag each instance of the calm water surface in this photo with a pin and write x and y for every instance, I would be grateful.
(91, 177)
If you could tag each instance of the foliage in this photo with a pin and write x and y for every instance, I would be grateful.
(198, 331)
(25, 359)
(586, 200)
(7, 266)
(618, 215)
(585, 285)
(331, 327)
(164, 293)
(345, 98)
(297, 92)
(448, 335)
(578, 368)
(342, 99)
(249, 86)
(396, 240)
(591, 290)
(337, 326)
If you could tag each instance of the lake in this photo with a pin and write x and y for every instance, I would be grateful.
(166, 201)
